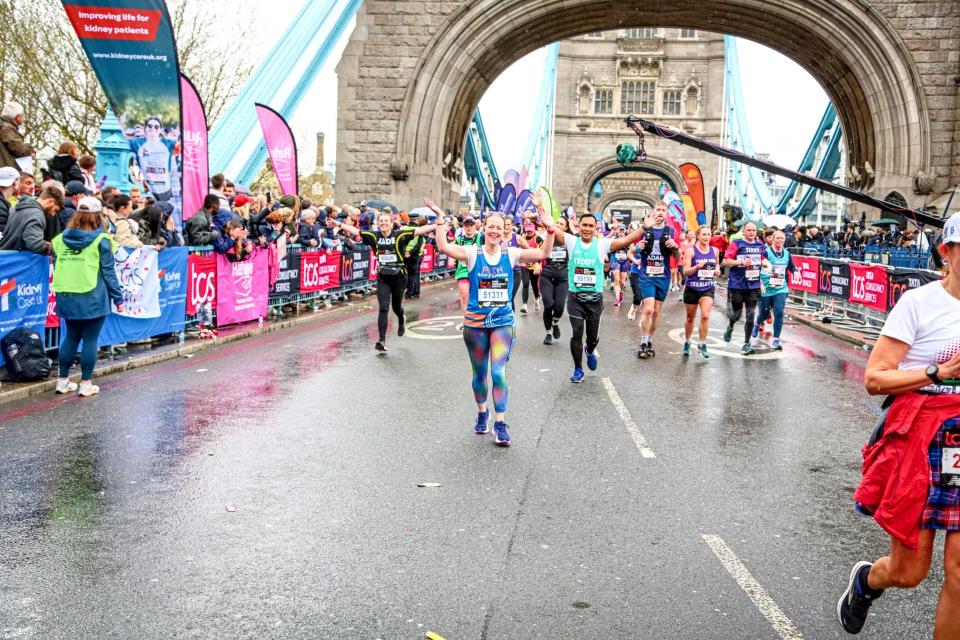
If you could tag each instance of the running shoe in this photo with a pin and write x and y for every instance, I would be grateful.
(548, 339)
(482, 426)
(402, 327)
(523, 308)
(702, 348)
(642, 352)
(651, 352)
(632, 314)
(776, 344)
(556, 331)
(592, 359)
(503, 438)
(756, 330)
(747, 349)
(620, 298)
(538, 304)
(577, 376)
(65, 386)
(88, 389)
(460, 327)
(686, 349)
(382, 348)
(616, 303)
(728, 334)
(856, 600)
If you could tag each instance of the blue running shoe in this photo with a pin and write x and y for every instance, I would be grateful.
(856, 600)
(776, 344)
(503, 438)
(747, 349)
(756, 330)
(577, 376)
(482, 427)
(592, 359)
(702, 347)
(728, 334)
(686, 349)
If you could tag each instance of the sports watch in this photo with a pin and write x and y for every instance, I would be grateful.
(932, 372)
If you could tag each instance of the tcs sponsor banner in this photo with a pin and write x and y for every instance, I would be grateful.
(835, 278)
(319, 271)
(807, 276)
(202, 282)
(902, 280)
(355, 266)
(288, 276)
(429, 261)
(868, 286)
(24, 291)
(242, 288)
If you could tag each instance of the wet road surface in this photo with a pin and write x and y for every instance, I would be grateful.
(269, 489)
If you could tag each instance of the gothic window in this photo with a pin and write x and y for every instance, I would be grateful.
(688, 33)
(583, 107)
(693, 101)
(646, 33)
(671, 102)
(603, 101)
(637, 96)
(595, 34)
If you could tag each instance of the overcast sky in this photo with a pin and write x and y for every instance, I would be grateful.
(783, 102)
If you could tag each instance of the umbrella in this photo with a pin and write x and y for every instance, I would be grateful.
(421, 211)
(780, 221)
(380, 204)
(883, 222)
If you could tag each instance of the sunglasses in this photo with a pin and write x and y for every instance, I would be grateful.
(153, 126)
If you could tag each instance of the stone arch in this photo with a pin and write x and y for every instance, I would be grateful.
(608, 200)
(852, 50)
(653, 165)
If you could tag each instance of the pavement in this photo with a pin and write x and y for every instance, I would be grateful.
(270, 488)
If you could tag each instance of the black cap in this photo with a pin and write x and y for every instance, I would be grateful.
(76, 188)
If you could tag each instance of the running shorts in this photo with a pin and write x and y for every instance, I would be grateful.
(744, 296)
(691, 296)
(576, 308)
(657, 288)
(943, 498)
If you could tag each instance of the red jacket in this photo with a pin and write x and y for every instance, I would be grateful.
(896, 469)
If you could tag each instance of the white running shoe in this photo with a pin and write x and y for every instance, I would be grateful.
(65, 386)
(632, 314)
(88, 389)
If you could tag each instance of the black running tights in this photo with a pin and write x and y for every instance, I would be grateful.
(390, 291)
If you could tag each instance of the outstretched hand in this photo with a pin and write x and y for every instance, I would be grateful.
(433, 207)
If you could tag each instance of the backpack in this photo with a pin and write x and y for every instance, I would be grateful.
(24, 354)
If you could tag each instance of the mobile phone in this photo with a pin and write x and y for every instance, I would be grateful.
(102, 182)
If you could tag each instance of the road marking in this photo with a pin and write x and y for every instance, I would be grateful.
(761, 599)
(621, 408)
(718, 347)
(444, 325)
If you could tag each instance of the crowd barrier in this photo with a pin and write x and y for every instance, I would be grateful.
(172, 292)
(910, 258)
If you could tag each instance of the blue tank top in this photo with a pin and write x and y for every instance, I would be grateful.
(704, 279)
(743, 277)
(654, 264)
(490, 287)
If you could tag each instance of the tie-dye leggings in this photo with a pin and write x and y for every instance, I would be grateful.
(489, 349)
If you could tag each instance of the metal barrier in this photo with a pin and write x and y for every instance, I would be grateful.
(908, 258)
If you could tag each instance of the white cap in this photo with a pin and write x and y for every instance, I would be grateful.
(8, 175)
(951, 230)
(90, 204)
(12, 110)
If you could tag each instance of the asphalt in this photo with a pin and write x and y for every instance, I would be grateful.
(268, 488)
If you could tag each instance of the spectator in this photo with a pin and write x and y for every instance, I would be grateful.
(200, 233)
(12, 145)
(849, 239)
(150, 222)
(814, 235)
(126, 232)
(51, 220)
(136, 198)
(217, 182)
(168, 230)
(27, 184)
(237, 248)
(309, 231)
(9, 185)
(907, 240)
(241, 207)
(85, 280)
(74, 190)
(26, 224)
(272, 228)
(63, 167)
(229, 191)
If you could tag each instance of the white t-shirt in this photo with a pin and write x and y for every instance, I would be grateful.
(512, 252)
(927, 319)
(570, 241)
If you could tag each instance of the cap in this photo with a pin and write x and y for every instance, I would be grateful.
(241, 200)
(76, 188)
(8, 175)
(90, 204)
(951, 230)
(469, 220)
(529, 227)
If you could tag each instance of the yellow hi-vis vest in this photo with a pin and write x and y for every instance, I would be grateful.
(77, 271)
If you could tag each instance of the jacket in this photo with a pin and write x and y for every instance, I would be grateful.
(126, 233)
(95, 303)
(12, 145)
(308, 232)
(896, 468)
(66, 213)
(199, 231)
(64, 167)
(25, 227)
(4, 214)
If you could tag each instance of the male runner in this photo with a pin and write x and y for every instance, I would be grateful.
(651, 258)
(744, 256)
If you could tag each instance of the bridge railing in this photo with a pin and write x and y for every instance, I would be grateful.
(913, 258)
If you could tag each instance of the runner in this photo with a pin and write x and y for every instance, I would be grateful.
(773, 280)
(554, 288)
(701, 266)
(911, 477)
(388, 245)
(689, 239)
(585, 256)
(467, 236)
(619, 267)
(744, 256)
(512, 240)
(651, 259)
(530, 274)
(489, 320)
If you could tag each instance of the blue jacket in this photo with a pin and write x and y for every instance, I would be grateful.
(96, 303)
(66, 213)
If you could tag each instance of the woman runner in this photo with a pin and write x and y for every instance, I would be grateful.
(701, 266)
(553, 288)
(619, 267)
(468, 236)
(530, 275)
(689, 239)
(773, 279)
(488, 322)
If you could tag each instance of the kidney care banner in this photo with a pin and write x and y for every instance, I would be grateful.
(195, 156)
(131, 47)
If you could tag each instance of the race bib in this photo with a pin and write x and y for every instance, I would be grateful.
(655, 269)
(584, 277)
(777, 282)
(950, 459)
(493, 293)
(752, 273)
(387, 258)
(621, 255)
(558, 254)
(706, 274)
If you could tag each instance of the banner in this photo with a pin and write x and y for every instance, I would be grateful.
(835, 278)
(902, 280)
(131, 47)
(429, 261)
(137, 272)
(319, 271)
(868, 286)
(807, 276)
(288, 276)
(24, 291)
(242, 289)
(355, 266)
(693, 178)
(282, 148)
(171, 287)
(202, 283)
(195, 153)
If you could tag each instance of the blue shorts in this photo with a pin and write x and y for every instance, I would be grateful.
(623, 266)
(654, 288)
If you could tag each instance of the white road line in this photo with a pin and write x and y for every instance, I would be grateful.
(638, 438)
(761, 599)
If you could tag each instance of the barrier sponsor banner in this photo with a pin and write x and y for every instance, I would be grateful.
(901, 281)
(242, 288)
(288, 276)
(355, 266)
(319, 271)
(281, 146)
(170, 282)
(807, 276)
(373, 266)
(24, 291)
(195, 154)
(835, 278)
(429, 261)
(868, 286)
(202, 282)
(137, 272)
(52, 319)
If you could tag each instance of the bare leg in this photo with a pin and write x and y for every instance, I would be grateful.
(904, 568)
(947, 625)
(706, 308)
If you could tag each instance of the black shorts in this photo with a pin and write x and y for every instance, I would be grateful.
(749, 297)
(587, 311)
(692, 296)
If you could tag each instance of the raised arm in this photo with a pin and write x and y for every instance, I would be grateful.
(542, 253)
(455, 251)
(620, 243)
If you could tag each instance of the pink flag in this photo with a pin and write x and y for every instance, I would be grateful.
(195, 156)
(242, 288)
(281, 146)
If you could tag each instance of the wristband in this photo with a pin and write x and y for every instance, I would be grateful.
(551, 231)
